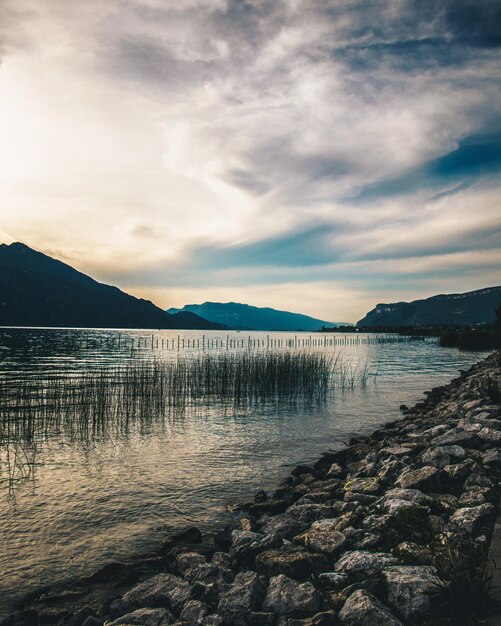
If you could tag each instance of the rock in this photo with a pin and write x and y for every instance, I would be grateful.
(146, 617)
(471, 497)
(269, 506)
(456, 452)
(490, 435)
(162, 590)
(413, 553)
(291, 561)
(288, 597)
(186, 537)
(436, 457)
(411, 588)
(411, 495)
(459, 471)
(212, 620)
(283, 527)
(246, 545)
(390, 470)
(492, 457)
(364, 609)
(335, 471)
(310, 512)
(361, 564)
(244, 595)
(193, 612)
(455, 437)
(189, 561)
(332, 580)
(324, 538)
(362, 498)
(472, 519)
(222, 539)
(326, 618)
(427, 478)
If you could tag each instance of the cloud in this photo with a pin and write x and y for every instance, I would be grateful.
(159, 143)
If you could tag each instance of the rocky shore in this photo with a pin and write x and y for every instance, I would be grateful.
(393, 529)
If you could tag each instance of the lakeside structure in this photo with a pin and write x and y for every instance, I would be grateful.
(393, 529)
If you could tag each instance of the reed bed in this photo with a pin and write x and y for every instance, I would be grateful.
(112, 398)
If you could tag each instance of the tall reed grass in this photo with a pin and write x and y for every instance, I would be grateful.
(89, 403)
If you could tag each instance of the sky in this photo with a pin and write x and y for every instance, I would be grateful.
(313, 156)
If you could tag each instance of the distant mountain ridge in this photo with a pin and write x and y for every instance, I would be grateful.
(37, 290)
(472, 307)
(239, 316)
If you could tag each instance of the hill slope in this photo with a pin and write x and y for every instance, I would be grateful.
(37, 290)
(473, 307)
(245, 317)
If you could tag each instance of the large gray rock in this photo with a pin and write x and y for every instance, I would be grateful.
(411, 589)
(193, 612)
(188, 561)
(324, 538)
(362, 564)
(437, 457)
(292, 561)
(456, 437)
(146, 617)
(363, 609)
(411, 495)
(244, 595)
(427, 478)
(310, 512)
(283, 527)
(162, 590)
(471, 519)
(288, 597)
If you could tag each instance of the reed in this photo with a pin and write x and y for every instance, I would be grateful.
(114, 397)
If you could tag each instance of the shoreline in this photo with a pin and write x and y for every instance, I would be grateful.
(367, 535)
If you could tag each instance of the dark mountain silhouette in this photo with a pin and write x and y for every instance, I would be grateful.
(456, 309)
(245, 317)
(37, 290)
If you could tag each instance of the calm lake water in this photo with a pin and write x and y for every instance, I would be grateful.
(68, 504)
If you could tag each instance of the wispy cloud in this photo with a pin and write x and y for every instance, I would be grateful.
(163, 144)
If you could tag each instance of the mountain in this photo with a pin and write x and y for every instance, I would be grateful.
(37, 290)
(473, 307)
(245, 317)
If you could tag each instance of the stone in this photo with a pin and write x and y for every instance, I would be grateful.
(193, 612)
(471, 497)
(310, 512)
(456, 452)
(411, 495)
(471, 519)
(459, 471)
(288, 597)
(411, 589)
(332, 580)
(364, 609)
(188, 561)
(243, 596)
(436, 457)
(362, 564)
(291, 561)
(335, 471)
(455, 437)
(427, 478)
(324, 538)
(396, 450)
(492, 457)
(187, 537)
(390, 470)
(413, 553)
(212, 620)
(162, 590)
(247, 544)
(283, 527)
(146, 617)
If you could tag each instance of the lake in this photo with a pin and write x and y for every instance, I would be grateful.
(72, 499)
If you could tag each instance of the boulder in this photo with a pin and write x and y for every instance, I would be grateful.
(436, 457)
(188, 561)
(364, 609)
(411, 589)
(291, 561)
(162, 590)
(427, 478)
(244, 595)
(146, 617)
(362, 564)
(193, 612)
(310, 512)
(472, 519)
(288, 597)
(324, 538)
